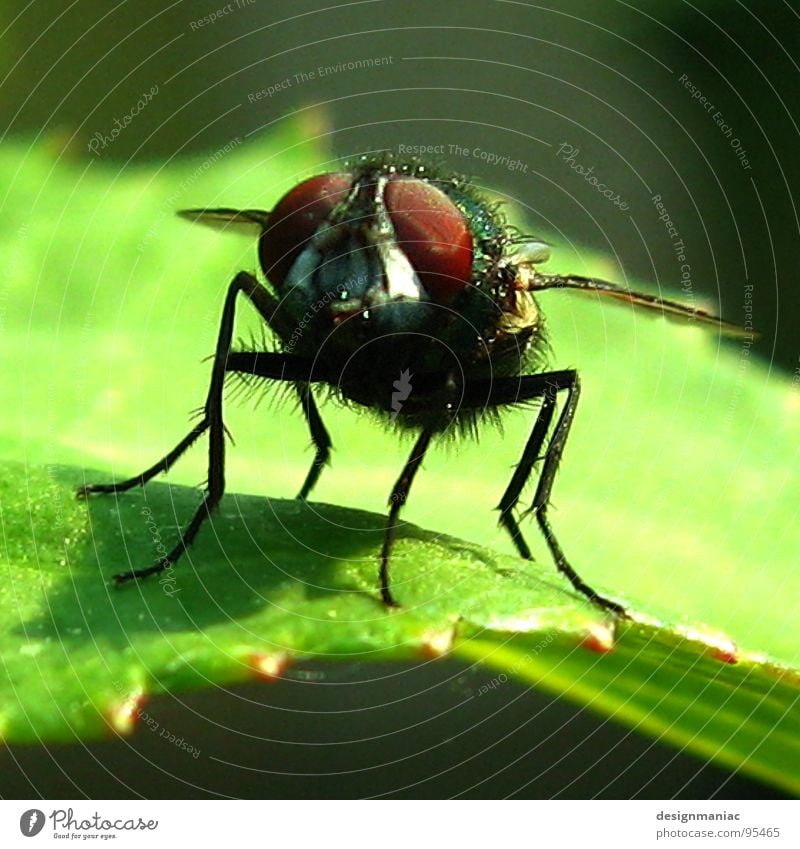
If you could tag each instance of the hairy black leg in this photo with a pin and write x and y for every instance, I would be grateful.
(396, 501)
(212, 418)
(545, 386)
(288, 367)
(319, 436)
(266, 306)
(162, 465)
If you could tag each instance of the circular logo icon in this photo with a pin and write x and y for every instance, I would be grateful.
(31, 822)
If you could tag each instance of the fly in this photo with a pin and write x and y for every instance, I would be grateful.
(403, 290)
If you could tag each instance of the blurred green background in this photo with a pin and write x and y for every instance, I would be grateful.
(510, 79)
(492, 79)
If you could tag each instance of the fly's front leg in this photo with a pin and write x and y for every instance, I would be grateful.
(211, 421)
(546, 386)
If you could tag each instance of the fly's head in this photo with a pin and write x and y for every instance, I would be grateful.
(390, 253)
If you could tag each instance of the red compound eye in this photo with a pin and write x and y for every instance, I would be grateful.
(296, 218)
(433, 234)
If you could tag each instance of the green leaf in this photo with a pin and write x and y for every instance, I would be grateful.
(677, 494)
(268, 581)
(688, 690)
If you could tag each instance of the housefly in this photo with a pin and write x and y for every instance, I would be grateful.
(400, 289)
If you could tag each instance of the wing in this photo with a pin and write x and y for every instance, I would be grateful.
(530, 252)
(252, 222)
(535, 281)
